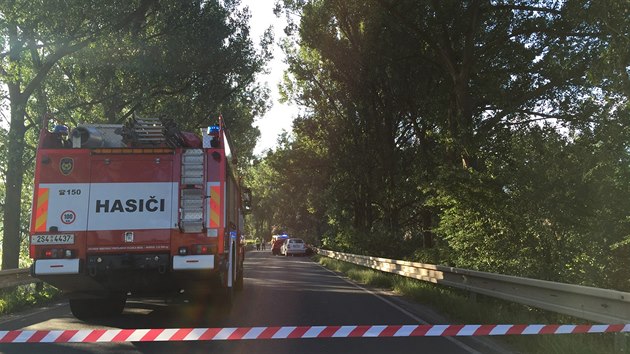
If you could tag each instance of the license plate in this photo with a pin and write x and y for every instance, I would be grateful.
(60, 239)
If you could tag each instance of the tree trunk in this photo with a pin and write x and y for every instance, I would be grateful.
(15, 171)
(427, 234)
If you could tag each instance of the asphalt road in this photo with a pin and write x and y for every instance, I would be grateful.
(279, 291)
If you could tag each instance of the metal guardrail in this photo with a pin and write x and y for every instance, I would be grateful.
(593, 304)
(14, 277)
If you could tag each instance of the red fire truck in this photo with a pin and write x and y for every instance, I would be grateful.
(140, 209)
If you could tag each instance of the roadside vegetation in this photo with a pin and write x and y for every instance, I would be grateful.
(486, 135)
(24, 296)
(462, 308)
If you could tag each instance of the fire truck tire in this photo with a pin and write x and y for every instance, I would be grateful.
(84, 309)
(238, 284)
(224, 295)
(225, 298)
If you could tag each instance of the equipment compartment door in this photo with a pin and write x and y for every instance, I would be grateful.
(133, 203)
(61, 192)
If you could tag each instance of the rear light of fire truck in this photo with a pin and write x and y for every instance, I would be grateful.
(58, 253)
(197, 249)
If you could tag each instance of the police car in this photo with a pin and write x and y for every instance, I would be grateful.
(293, 246)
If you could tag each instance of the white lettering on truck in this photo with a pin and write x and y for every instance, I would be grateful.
(130, 205)
(133, 206)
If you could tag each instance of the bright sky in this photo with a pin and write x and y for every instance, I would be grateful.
(280, 116)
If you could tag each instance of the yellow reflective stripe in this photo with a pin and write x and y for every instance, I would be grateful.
(41, 212)
(215, 206)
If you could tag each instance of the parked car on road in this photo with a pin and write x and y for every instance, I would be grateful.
(293, 246)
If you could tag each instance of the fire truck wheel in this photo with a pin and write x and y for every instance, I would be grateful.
(116, 304)
(224, 295)
(84, 309)
(225, 298)
(238, 285)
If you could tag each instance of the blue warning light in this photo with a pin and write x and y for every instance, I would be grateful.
(213, 129)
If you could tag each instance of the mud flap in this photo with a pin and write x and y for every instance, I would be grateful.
(231, 260)
(225, 295)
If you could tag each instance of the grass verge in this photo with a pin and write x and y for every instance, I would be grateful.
(462, 308)
(25, 296)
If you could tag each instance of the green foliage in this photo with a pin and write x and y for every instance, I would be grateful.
(188, 60)
(486, 135)
(278, 181)
(20, 297)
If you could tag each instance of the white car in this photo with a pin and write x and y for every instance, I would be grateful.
(293, 246)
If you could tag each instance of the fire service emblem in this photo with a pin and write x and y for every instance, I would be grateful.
(66, 165)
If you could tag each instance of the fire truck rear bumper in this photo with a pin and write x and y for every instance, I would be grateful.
(196, 262)
(142, 275)
(56, 266)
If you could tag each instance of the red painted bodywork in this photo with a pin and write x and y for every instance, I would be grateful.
(93, 166)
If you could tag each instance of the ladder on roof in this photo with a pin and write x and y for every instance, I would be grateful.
(192, 198)
(151, 132)
(143, 132)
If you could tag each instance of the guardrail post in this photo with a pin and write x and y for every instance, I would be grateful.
(621, 342)
(472, 296)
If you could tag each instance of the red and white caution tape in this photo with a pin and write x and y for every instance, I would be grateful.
(297, 332)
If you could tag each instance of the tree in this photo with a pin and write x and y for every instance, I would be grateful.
(467, 132)
(35, 38)
(191, 61)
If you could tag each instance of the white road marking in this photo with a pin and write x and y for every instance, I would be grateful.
(411, 315)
